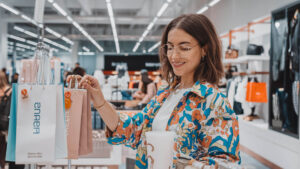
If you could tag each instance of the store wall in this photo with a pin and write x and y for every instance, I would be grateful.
(228, 14)
(3, 42)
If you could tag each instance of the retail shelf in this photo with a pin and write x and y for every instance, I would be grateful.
(115, 159)
(246, 59)
(257, 137)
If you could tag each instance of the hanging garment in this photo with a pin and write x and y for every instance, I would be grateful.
(282, 97)
(294, 43)
(279, 38)
(275, 106)
(231, 92)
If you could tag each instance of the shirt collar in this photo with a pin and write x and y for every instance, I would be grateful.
(199, 88)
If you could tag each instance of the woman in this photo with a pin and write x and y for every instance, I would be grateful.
(147, 89)
(206, 126)
(5, 90)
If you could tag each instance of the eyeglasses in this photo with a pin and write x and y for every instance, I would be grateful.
(182, 49)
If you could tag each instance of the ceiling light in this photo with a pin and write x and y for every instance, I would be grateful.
(23, 46)
(20, 49)
(162, 9)
(25, 31)
(149, 27)
(29, 19)
(154, 46)
(60, 10)
(67, 40)
(31, 42)
(51, 1)
(53, 32)
(11, 43)
(136, 47)
(86, 53)
(85, 49)
(17, 38)
(113, 25)
(202, 10)
(64, 13)
(213, 2)
(16, 12)
(69, 19)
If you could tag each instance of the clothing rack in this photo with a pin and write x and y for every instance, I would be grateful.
(251, 73)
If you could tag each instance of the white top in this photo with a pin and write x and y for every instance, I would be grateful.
(163, 115)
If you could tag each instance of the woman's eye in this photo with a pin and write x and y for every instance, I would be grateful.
(185, 48)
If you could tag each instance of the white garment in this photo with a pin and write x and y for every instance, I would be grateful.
(163, 115)
(99, 75)
(231, 92)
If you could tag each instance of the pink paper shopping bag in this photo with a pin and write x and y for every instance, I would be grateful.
(73, 103)
(86, 137)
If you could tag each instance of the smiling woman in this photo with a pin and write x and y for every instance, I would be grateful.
(207, 132)
(190, 51)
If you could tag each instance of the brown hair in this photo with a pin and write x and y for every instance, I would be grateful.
(199, 26)
(3, 80)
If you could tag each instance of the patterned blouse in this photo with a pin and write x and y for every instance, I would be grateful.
(207, 131)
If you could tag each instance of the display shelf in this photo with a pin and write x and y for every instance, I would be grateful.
(277, 148)
(114, 160)
(246, 59)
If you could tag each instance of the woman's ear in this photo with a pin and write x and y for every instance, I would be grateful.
(203, 50)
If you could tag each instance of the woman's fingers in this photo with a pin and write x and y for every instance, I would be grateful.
(78, 77)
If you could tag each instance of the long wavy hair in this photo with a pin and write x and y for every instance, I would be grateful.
(200, 27)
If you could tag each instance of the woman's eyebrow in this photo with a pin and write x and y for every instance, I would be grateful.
(181, 43)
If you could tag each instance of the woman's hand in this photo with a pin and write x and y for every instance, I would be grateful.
(92, 85)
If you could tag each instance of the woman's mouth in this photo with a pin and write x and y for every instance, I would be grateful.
(178, 64)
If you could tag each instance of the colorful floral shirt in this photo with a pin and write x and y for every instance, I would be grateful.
(207, 131)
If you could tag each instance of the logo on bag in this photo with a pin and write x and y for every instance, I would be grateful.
(36, 118)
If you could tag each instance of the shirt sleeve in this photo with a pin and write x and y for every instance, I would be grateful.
(130, 127)
(219, 134)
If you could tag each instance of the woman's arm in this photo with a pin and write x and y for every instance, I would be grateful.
(151, 91)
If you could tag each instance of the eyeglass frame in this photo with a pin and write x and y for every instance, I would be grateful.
(174, 46)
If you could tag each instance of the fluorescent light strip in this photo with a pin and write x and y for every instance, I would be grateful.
(202, 10)
(162, 9)
(53, 32)
(113, 25)
(154, 47)
(45, 39)
(16, 38)
(31, 42)
(60, 10)
(25, 46)
(213, 2)
(12, 10)
(85, 49)
(26, 32)
(20, 49)
(29, 19)
(64, 13)
(150, 26)
(57, 44)
(86, 53)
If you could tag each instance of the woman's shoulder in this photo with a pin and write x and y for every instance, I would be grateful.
(206, 90)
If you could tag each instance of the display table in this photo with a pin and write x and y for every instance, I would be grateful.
(113, 162)
(280, 149)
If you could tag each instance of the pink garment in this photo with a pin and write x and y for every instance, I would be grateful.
(29, 70)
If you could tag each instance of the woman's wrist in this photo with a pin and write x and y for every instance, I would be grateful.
(100, 105)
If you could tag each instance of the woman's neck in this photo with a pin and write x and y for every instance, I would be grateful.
(186, 82)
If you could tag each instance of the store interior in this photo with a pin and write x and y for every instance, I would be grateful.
(118, 41)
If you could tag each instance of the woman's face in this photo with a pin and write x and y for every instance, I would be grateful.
(184, 53)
